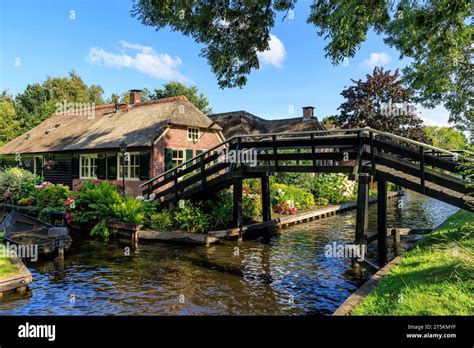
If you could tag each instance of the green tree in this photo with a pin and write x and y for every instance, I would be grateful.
(380, 102)
(9, 123)
(174, 89)
(38, 101)
(435, 34)
(446, 138)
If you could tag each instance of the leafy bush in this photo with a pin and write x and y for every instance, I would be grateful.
(221, 210)
(101, 231)
(336, 188)
(299, 197)
(16, 183)
(129, 210)
(51, 197)
(251, 206)
(93, 202)
(162, 220)
(190, 217)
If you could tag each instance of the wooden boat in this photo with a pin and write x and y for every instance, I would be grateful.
(24, 230)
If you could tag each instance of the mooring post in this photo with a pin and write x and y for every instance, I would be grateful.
(382, 221)
(266, 208)
(362, 222)
(237, 202)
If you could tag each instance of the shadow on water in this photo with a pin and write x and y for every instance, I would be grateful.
(279, 274)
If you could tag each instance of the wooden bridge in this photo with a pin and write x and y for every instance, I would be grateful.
(367, 155)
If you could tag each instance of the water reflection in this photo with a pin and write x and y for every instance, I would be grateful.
(281, 274)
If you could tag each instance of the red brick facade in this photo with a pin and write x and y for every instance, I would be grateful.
(174, 137)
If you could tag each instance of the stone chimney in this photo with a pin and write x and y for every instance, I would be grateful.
(308, 113)
(135, 96)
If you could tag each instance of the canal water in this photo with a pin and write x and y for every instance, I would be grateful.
(286, 273)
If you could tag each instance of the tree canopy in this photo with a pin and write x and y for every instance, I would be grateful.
(380, 102)
(446, 138)
(38, 101)
(435, 34)
(174, 89)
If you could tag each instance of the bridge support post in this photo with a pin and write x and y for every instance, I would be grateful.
(266, 205)
(237, 202)
(382, 221)
(362, 222)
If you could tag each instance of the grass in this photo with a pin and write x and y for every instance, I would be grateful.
(435, 278)
(6, 266)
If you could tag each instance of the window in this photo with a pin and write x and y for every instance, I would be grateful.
(178, 158)
(88, 166)
(193, 134)
(132, 166)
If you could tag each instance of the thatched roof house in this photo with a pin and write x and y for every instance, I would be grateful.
(83, 143)
(243, 122)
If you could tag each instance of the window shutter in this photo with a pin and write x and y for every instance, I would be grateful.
(101, 167)
(75, 166)
(144, 166)
(189, 155)
(112, 167)
(168, 159)
(198, 152)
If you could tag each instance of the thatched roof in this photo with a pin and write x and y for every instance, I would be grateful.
(139, 125)
(243, 123)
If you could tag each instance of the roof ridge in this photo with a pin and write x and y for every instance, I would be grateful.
(147, 102)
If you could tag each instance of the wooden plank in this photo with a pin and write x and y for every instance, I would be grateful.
(362, 218)
(266, 204)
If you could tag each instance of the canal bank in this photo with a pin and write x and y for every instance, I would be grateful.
(435, 278)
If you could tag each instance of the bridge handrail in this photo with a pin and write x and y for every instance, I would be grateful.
(334, 130)
(227, 141)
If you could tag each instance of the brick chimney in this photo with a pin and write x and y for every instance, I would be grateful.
(135, 96)
(308, 113)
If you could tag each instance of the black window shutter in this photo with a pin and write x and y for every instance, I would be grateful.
(189, 155)
(101, 167)
(112, 167)
(198, 152)
(168, 160)
(75, 166)
(145, 166)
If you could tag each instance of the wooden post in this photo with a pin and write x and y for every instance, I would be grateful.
(266, 205)
(382, 221)
(422, 168)
(362, 222)
(237, 206)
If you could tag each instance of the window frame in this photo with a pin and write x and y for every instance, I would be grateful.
(89, 157)
(189, 132)
(35, 169)
(128, 166)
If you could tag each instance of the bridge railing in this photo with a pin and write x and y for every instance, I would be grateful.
(333, 150)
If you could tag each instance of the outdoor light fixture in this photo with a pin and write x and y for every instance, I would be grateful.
(123, 150)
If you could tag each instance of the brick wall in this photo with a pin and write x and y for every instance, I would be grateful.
(176, 138)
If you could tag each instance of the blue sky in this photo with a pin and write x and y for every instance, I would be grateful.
(106, 46)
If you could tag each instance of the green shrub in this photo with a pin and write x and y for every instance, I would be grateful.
(129, 210)
(221, 210)
(51, 197)
(336, 188)
(190, 217)
(162, 220)
(94, 202)
(16, 183)
(301, 198)
(101, 231)
(251, 206)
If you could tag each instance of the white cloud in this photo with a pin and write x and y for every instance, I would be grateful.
(275, 55)
(437, 116)
(376, 59)
(146, 61)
